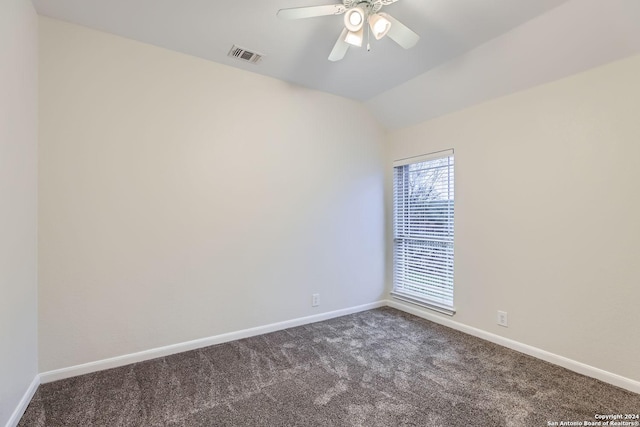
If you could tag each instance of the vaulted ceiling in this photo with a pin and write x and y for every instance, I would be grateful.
(470, 51)
(297, 51)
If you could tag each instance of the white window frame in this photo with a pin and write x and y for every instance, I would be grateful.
(418, 276)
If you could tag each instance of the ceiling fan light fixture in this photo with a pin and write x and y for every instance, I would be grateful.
(354, 19)
(354, 38)
(380, 25)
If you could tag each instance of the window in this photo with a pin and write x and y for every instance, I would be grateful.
(423, 205)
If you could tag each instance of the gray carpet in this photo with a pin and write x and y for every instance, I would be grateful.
(377, 368)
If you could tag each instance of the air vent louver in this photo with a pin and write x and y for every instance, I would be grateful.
(245, 55)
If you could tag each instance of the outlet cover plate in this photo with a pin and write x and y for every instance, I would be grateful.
(502, 319)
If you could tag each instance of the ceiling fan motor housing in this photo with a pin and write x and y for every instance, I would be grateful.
(369, 6)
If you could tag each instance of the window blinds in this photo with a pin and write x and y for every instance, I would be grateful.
(423, 230)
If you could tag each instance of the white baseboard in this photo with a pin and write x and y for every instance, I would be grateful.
(572, 365)
(114, 362)
(118, 361)
(24, 402)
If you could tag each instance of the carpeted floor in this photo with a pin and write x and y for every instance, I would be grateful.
(377, 368)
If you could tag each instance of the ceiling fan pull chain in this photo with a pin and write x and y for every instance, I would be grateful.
(368, 36)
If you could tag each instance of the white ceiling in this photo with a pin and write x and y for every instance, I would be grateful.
(296, 51)
(575, 36)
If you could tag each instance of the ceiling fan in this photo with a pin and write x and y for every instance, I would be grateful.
(357, 13)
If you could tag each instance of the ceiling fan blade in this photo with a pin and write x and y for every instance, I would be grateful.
(400, 33)
(311, 11)
(340, 48)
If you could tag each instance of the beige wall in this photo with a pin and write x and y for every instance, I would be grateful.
(548, 213)
(181, 199)
(18, 198)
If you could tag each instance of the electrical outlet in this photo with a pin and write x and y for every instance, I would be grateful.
(315, 300)
(502, 319)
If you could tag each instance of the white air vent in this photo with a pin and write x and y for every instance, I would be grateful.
(245, 55)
